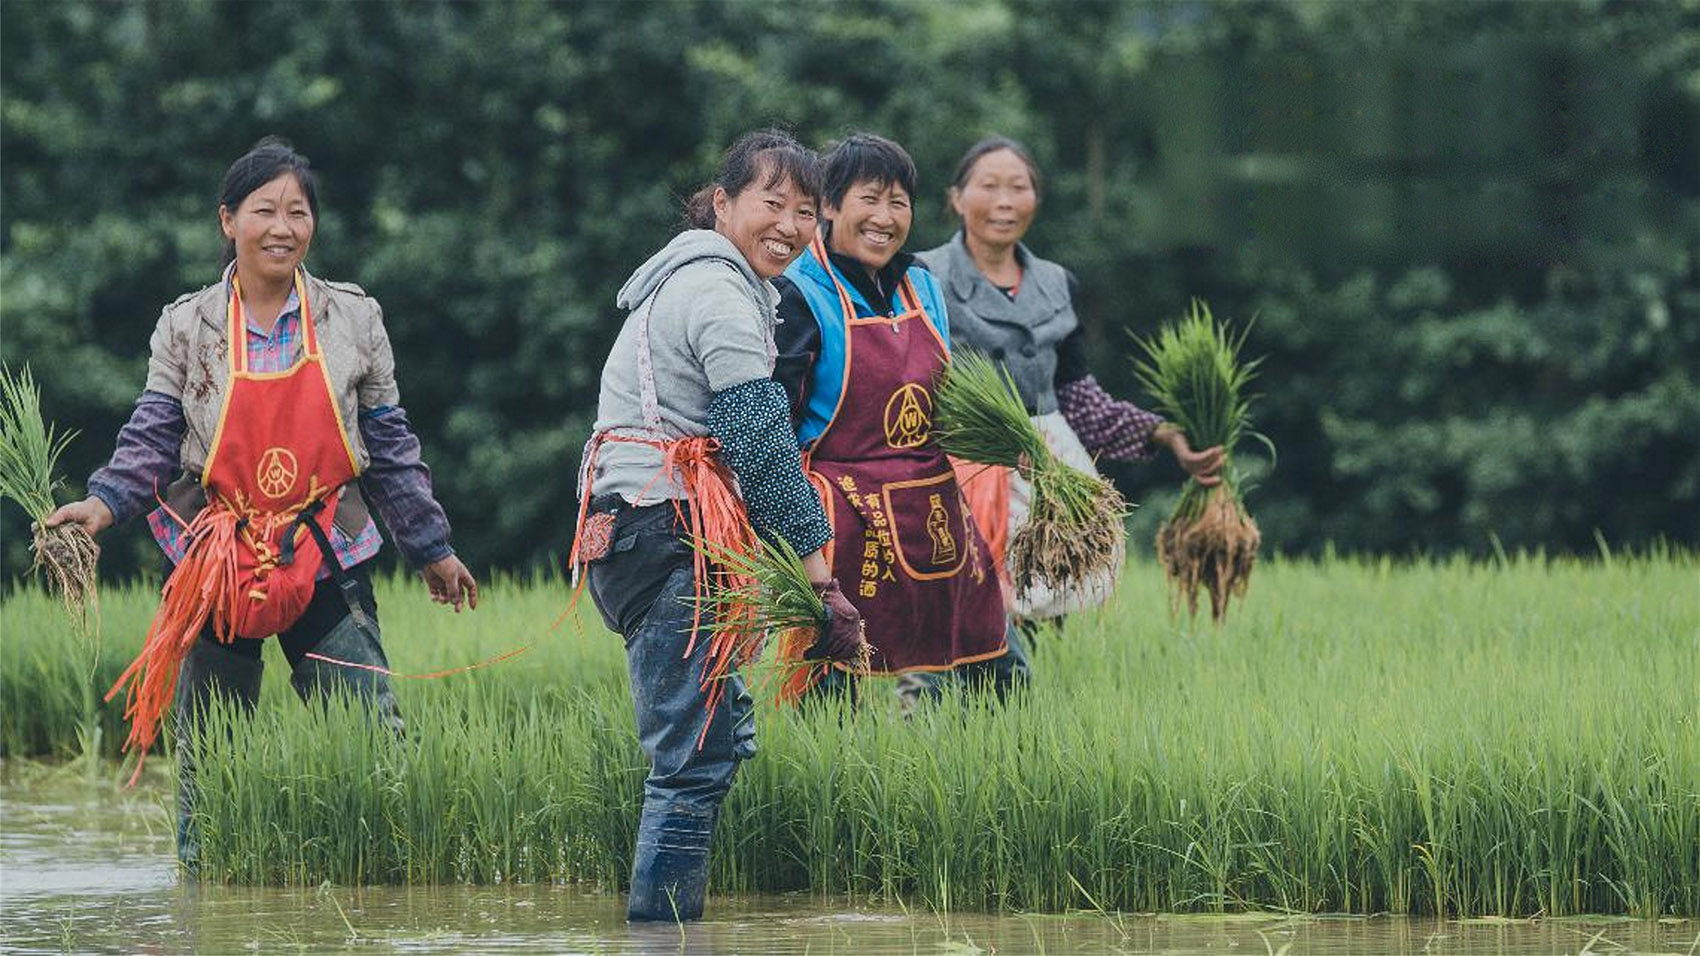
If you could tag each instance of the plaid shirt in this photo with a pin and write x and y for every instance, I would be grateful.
(273, 352)
(1109, 428)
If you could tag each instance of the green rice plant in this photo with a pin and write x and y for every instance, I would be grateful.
(45, 687)
(1528, 723)
(66, 555)
(1074, 531)
(1197, 380)
(29, 454)
(766, 598)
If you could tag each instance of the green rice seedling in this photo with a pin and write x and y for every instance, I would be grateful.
(29, 453)
(66, 555)
(765, 598)
(1529, 723)
(1197, 380)
(1074, 531)
(46, 687)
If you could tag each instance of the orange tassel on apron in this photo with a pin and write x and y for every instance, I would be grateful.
(279, 459)
(716, 518)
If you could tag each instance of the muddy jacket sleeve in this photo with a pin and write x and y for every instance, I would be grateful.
(398, 484)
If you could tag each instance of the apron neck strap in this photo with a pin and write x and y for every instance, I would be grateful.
(647, 394)
(237, 322)
(817, 247)
(910, 298)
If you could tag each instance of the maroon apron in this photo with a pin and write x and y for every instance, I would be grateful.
(904, 548)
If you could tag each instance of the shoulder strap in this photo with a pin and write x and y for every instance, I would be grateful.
(236, 323)
(646, 363)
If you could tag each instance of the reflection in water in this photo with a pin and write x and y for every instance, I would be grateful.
(90, 869)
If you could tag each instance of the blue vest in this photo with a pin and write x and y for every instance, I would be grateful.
(814, 280)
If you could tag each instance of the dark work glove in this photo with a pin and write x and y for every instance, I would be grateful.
(841, 637)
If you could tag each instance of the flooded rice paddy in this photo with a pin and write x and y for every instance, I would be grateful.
(88, 868)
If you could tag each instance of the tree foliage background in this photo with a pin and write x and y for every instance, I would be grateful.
(1469, 232)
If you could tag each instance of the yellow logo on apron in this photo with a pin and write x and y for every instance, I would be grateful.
(908, 417)
(276, 473)
(938, 529)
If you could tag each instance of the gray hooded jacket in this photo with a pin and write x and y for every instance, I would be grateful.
(710, 322)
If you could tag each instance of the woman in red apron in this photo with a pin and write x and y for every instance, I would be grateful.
(271, 401)
(863, 337)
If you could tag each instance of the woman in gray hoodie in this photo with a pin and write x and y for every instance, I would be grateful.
(693, 439)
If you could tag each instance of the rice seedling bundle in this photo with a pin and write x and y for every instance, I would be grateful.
(66, 555)
(29, 451)
(1198, 382)
(763, 596)
(1074, 531)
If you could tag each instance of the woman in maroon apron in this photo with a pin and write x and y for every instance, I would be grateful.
(862, 339)
(271, 401)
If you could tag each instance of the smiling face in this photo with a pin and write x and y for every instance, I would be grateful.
(770, 224)
(271, 229)
(997, 201)
(871, 222)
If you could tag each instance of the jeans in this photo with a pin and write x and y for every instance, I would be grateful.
(645, 589)
(1000, 675)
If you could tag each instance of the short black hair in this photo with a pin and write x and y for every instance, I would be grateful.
(771, 152)
(992, 144)
(265, 161)
(865, 157)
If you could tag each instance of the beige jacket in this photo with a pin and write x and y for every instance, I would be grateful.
(190, 362)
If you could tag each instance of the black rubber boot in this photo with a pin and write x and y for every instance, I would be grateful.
(351, 643)
(670, 870)
(210, 671)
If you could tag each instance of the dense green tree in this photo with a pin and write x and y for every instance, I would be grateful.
(1469, 231)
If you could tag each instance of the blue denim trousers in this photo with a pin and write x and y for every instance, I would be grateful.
(645, 590)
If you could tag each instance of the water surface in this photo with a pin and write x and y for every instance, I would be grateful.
(88, 868)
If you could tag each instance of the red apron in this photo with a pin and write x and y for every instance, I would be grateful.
(279, 459)
(904, 547)
(280, 448)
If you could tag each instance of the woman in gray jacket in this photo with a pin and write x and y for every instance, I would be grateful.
(1019, 310)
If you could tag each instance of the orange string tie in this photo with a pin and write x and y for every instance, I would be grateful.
(187, 601)
(432, 675)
